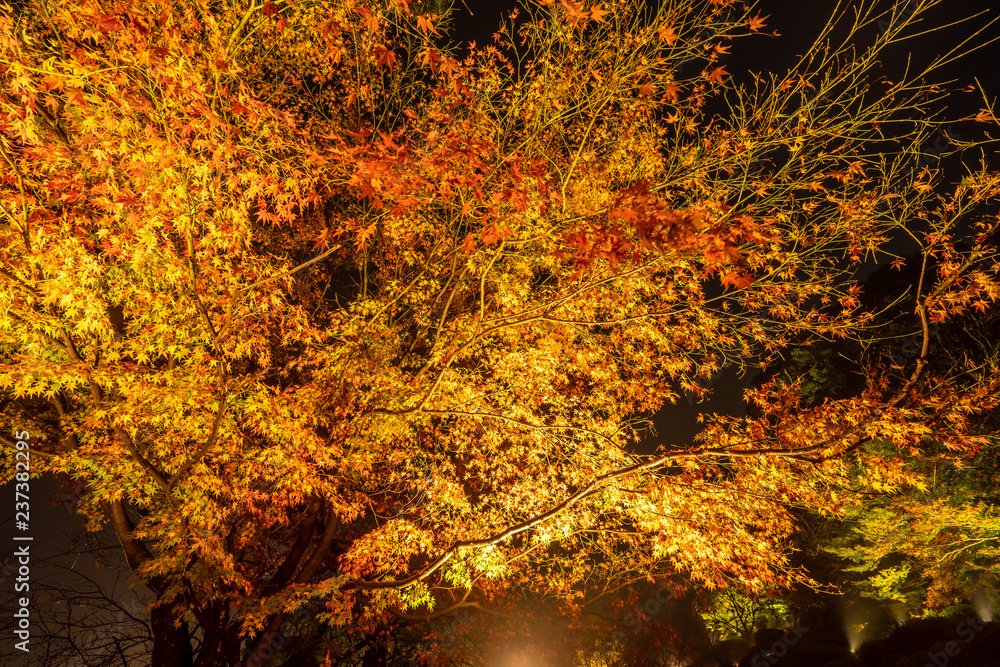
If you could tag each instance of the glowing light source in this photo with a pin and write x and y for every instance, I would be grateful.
(855, 635)
(520, 658)
(984, 605)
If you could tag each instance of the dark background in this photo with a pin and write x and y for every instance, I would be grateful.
(797, 24)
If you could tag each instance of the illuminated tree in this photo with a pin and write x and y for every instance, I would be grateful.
(929, 547)
(732, 615)
(928, 550)
(339, 317)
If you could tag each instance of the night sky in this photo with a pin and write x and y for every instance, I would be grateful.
(797, 24)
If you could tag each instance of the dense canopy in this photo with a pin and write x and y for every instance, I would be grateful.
(319, 308)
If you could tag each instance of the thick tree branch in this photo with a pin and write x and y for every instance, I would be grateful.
(25, 231)
(209, 443)
(129, 445)
(322, 550)
(13, 278)
(136, 553)
(601, 481)
(298, 550)
(285, 274)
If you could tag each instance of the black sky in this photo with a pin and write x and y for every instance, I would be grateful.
(797, 24)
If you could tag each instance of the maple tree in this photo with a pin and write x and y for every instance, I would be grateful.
(735, 615)
(930, 547)
(319, 312)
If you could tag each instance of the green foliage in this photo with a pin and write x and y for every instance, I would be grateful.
(734, 615)
(927, 549)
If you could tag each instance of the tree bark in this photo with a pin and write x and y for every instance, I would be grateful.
(272, 633)
(171, 644)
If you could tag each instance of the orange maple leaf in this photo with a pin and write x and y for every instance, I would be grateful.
(717, 75)
(429, 57)
(755, 23)
(737, 279)
(667, 34)
(985, 116)
(322, 238)
(425, 23)
(574, 11)
(671, 91)
(597, 13)
(330, 27)
(385, 57)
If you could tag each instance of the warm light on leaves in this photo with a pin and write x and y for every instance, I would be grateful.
(315, 307)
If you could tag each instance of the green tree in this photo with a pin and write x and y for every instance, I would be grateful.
(930, 546)
(732, 615)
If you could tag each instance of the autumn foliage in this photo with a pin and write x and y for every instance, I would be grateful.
(338, 314)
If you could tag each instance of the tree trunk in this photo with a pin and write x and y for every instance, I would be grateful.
(171, 644)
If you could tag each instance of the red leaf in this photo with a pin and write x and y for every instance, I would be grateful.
(385, 57)
(737, 280)
(717, 75)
